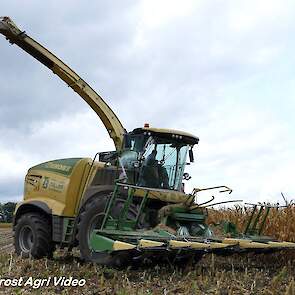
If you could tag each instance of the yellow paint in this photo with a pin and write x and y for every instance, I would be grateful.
(196, 245)
(173, 244)
(281, 244)
(253, 245)
(62, 202)
(214, 245)
(289, 244)
(246, 244)
(149, 244)
(233, 241)
(164, 195)
(169, 131)
(118, 245)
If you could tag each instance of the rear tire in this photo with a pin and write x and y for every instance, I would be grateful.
(32, 236)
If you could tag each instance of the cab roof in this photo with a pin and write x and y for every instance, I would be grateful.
(187, 137)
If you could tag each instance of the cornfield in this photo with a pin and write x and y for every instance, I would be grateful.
(238, 274)
(280, 223)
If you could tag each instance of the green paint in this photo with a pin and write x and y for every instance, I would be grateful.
(188, 217)
(123, 216)
(68, 228)
(109, 206)
(62, 166)
(229, 228)
(126, 225)
(99, 243)
(141, 208)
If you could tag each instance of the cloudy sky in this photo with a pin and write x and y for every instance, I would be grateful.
(223, 70)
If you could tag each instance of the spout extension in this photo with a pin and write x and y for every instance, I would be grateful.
(9, 29)
(111, 122)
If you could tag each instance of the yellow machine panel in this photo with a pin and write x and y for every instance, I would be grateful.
(59, 184)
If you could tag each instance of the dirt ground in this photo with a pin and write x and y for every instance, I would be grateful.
(238, 274)
(6, 240)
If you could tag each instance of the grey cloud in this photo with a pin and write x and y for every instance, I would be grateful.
(37, 95)
(192, 74)
(10, 190)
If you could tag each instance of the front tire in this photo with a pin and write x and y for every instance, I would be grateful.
(32, 236)
(91, 218)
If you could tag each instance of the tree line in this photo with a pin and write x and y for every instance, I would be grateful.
(6, 211)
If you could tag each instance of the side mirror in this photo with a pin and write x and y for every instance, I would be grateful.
(108, 156)
(191, 155)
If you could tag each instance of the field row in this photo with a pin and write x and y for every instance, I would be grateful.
(6, 240)
(5, 225)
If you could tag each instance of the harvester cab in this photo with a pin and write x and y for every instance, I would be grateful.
(155, 158)
(128, 205)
